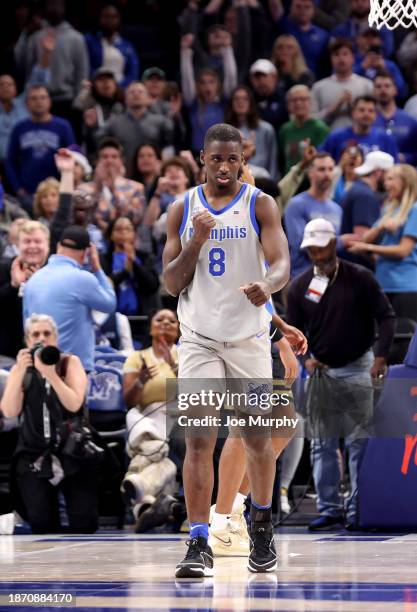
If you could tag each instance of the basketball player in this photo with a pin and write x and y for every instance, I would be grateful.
(218, 239)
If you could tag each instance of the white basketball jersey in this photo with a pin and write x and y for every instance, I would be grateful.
(212, 305)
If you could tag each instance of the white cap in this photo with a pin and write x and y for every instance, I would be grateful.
(318, 233)
(81, 159)
(264, 66)
(375, 160)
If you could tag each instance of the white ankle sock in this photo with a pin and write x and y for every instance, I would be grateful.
(239, 501)
(219, 521)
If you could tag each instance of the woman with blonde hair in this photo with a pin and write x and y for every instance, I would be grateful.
(46, 200)
(394, 240)
(290, 62)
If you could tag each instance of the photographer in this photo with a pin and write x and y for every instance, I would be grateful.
(46, 389)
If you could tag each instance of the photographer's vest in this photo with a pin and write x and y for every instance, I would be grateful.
(42, 412)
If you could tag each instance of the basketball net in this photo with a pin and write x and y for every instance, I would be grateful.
(393, 13)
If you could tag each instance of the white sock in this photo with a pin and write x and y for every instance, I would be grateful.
(238, 503)
(219, 522)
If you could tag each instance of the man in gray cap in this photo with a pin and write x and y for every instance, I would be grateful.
(336, 304)
(68, 293)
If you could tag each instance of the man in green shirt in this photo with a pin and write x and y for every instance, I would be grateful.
(302, 130)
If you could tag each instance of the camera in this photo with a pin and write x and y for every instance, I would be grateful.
(80, 445)
(49, 355)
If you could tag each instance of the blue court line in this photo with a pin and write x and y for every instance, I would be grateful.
(315, 591)
(354, 539)
(106, 539)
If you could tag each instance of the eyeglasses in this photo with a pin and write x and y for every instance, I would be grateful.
(37, 334)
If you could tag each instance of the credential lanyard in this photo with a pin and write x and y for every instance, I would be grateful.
(46, 415)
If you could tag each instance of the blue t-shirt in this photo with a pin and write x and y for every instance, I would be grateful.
(202, 117)
(399, 275)
(313, 42)
(360, 206)
(300, 210)
(375, 140)
(403, 128)
(31, 152)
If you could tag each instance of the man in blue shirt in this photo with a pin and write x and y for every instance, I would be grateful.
(361, 204)
(312, 39)
(309, 205)
(362, 133)
(34, 142)
(66, 292)
(394, 121)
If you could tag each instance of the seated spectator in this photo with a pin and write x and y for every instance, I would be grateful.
(203, 97)
(243, 114)
(138, 124)
(116, 195)
(302, 130)
(33, 143)
(392, 120)
(312, 39)
(68, 293)
(147, 167)
(109, 50)
(362, 204)
(145, 375)
(99, 100)
(33, 249)
(69, 61)
(363, 132)
(44, 440)
(9, 212)
(309, 205)
(45, 201)
(351, 158)
(288, 57)
(113, 330)
(394, 240)
(333, 96)
(358, 22)
(371, 61)
(132, 271)
(269, 95)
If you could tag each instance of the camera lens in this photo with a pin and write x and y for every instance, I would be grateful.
(49, 355)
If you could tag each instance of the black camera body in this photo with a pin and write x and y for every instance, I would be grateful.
(49, 355)
(79, 444)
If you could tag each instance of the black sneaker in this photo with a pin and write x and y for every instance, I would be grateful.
(198, 562)
(262, 555)
(156, 515)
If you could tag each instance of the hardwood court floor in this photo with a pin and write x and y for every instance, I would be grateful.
(120, 571)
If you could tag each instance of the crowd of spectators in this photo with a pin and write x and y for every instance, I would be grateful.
(97, 142)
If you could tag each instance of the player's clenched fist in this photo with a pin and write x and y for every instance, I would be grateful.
(203, 223)
(257, 293)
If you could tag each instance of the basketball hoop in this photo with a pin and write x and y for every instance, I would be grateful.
(393, 13)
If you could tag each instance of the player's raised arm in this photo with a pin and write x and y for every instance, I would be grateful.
(179, 263)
